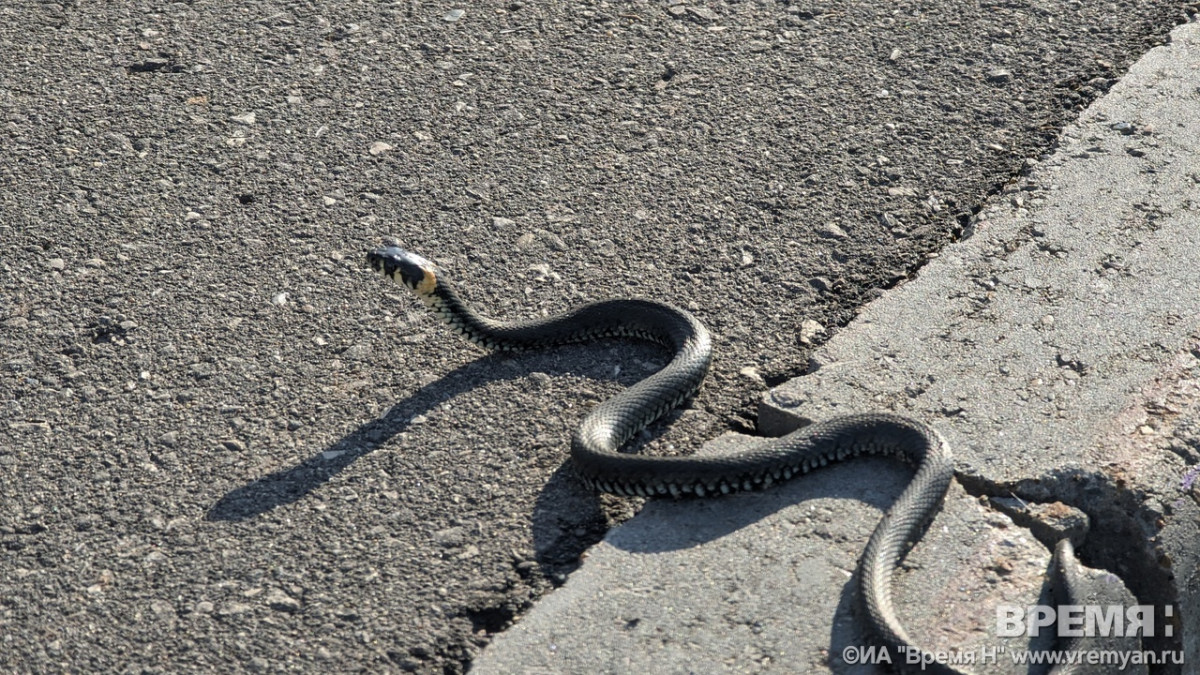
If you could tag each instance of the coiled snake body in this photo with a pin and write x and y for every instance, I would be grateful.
(594, 448)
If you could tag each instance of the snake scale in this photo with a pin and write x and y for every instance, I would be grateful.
(596, 443)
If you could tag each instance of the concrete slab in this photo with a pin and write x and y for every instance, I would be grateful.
(1055, 347)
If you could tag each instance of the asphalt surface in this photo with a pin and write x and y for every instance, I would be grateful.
(228, 446)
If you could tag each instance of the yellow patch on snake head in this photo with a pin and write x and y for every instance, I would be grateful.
(427, 283)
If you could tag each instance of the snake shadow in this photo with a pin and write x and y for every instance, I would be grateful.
(673, 525)
(290, 485)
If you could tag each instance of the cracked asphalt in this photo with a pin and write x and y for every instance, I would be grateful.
(228, 446)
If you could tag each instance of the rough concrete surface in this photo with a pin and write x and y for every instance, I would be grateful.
(227, 446)
(1056, 348)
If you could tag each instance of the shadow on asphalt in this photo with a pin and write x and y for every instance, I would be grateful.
(290, 485)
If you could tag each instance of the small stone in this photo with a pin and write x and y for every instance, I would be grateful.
(93, 263)
(552, 240)
(16, 322)
(379, 147)
(539, 380)
(280, 299)
(328, 201)
(999, 75)
(605, 247)
(57, 264)
(702, 14)
(370, 196)
(192, 216)
(203, 607)
(751, 373)
(832, 230)
(332, 454)
(821, 283)
(895, 54)
(901, 192)
(809, 330)
(233, 609)
(450, 537)
(162, 609)
(233, 445)
(526, 242)
(280, 601)
(246, 118)
(453, 15)
(169, 439)
(356, 351)
(498, 221)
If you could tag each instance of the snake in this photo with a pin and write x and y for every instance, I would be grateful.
(596, 443)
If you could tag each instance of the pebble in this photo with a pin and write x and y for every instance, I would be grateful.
(999, 75)
(356, 351)
(751, 373)
(57, 264)
(498, 221)
(450, 537)
(279, 299)
(280, 601)
(552, 240)
(233, 445)
(453, 15)
(233, 608)
(245, 118)
(832, 230)
(169, 439)
(605, 247)
(809, 330)
(526, 242)
(379, 147)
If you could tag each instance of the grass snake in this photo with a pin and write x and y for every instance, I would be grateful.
(596, 443)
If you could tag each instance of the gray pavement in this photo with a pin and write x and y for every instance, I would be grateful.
(1056, 347)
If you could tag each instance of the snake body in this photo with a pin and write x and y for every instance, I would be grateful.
(595, 445)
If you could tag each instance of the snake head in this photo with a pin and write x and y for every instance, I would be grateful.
(405, 268)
